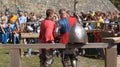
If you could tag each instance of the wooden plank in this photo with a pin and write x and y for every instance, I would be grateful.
(15, 60)
(36, 35)
(94, 30)
(93, 22)
(111, 57)
(32, 23)
(59, 45)
(106, 34)
(111, 40)
(89, 21)
(109, 24)
(29, 35)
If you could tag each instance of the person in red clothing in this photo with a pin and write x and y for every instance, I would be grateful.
(96, 36)
(47, 36)
(64, 24)
(71, 19)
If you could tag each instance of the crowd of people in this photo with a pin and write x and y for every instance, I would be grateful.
(11, 22)
(54, 28)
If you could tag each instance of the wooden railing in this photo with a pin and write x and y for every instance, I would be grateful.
(110, 48)
(15, 59)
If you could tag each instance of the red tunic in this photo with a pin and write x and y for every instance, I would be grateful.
(64, 37)
(46, 31)
(72, 21)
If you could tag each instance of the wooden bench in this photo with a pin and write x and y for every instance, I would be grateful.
(27, 35)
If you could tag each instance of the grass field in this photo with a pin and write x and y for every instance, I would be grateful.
(33, 61)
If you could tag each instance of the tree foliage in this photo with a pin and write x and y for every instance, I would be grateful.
(116, 3)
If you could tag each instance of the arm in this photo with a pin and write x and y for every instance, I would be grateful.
(2, 29)
(57, 30)
(17, 25)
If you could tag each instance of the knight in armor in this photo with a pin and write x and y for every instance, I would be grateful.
(46, 36)
(64, 23)
(71, 19)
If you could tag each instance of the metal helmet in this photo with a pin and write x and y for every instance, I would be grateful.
(77, 34)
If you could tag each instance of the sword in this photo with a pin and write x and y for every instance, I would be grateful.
(75, 3)
(75, 12)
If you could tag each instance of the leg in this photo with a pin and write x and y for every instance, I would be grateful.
(42, 57)
(118, 49)
(4, 38)
(6, 35)
(64, 58)
(49, 58)
(46, 58)
(73, 60)
(29, 51)
(11, 39)
(14, 39)
(2, 35)
(18, 39)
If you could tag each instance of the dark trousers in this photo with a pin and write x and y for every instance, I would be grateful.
(45, 57)
(118, 49)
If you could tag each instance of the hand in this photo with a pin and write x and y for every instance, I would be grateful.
(115, 34)
(53, 42)
(109, 31)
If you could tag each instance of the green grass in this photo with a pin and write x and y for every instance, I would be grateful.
(33, 61)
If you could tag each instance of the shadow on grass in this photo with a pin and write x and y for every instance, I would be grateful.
(94, 57)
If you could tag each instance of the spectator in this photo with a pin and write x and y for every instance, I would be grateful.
(7, 11)
(4, 17)
(4, 34)
(15, 33)
(21, 18)
(12, 18)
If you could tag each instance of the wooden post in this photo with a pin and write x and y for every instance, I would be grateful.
(111, 57)
(21, 50)
(15, 60)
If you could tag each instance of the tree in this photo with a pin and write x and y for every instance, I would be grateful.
(116, 3)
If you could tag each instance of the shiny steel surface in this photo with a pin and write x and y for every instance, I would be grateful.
(77, 34)
(74, 63)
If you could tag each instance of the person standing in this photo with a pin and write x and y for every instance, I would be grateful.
(21, 23)
(4, 33)
(65, 23)
(47, 36)
(64, 26)
(21, 18)
(71, 19)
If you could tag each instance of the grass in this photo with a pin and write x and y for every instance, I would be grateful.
(33, 61)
